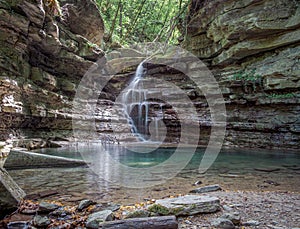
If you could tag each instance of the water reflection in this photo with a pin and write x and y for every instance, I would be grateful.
(82, 181)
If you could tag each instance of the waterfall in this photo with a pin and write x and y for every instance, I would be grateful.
(134, 99)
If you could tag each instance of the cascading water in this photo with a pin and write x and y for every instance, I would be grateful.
(134, 99)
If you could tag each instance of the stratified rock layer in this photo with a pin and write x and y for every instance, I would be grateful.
(253, 49)
(43, 58)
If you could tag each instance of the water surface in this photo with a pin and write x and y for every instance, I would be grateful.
(234, 170)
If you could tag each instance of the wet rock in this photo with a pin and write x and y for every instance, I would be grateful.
(210, 188)
(251, 223)
(96, 218)
(18, 225)
(112, 206)
(185, 205)
(267, 169)
(138, 214)
(222, 223)
(41, 221)
(198, 182)
(47, 207)
(106, 206)
(60, 212)
(234, 217)
(271, 182)
(84, 204)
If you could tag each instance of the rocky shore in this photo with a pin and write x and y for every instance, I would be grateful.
(215, 209)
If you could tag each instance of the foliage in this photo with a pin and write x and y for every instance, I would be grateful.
(134, 21)
(248, 77)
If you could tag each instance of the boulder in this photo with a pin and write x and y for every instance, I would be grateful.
(95, 219)
(185, 205)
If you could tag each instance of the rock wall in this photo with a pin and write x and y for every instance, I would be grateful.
(253, 49)
(45, 50)
(251, 46)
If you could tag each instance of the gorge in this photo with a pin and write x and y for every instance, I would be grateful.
(250, 47)
(258, 74)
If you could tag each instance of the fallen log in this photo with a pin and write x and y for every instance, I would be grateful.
(159, 222)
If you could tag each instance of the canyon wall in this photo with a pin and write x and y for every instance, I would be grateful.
(251, 47)
(45, 51)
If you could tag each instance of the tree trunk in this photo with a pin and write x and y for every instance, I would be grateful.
(160, 222)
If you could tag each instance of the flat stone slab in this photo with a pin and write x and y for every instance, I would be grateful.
(19, 159)
(10, 192)
(209, 188)
(186, 205)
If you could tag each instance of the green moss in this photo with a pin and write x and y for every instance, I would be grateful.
(161, 210)
(176, 211)
(249, 77)
(157, 208)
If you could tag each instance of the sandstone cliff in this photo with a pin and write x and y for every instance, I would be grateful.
(45, 50)
(253, 48)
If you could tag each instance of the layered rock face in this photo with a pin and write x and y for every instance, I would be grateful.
(253, 49)
(45, 50)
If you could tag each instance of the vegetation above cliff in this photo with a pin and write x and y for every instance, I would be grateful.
(143, 21)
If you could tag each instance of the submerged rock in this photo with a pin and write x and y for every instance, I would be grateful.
(185, 205)
(96, 218)
(267, 169)
(209, 188)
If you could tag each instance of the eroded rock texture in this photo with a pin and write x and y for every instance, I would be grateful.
(45, 51)
(251, 46)
(253, 49)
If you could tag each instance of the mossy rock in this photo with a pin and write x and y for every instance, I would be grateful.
(161, 210)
